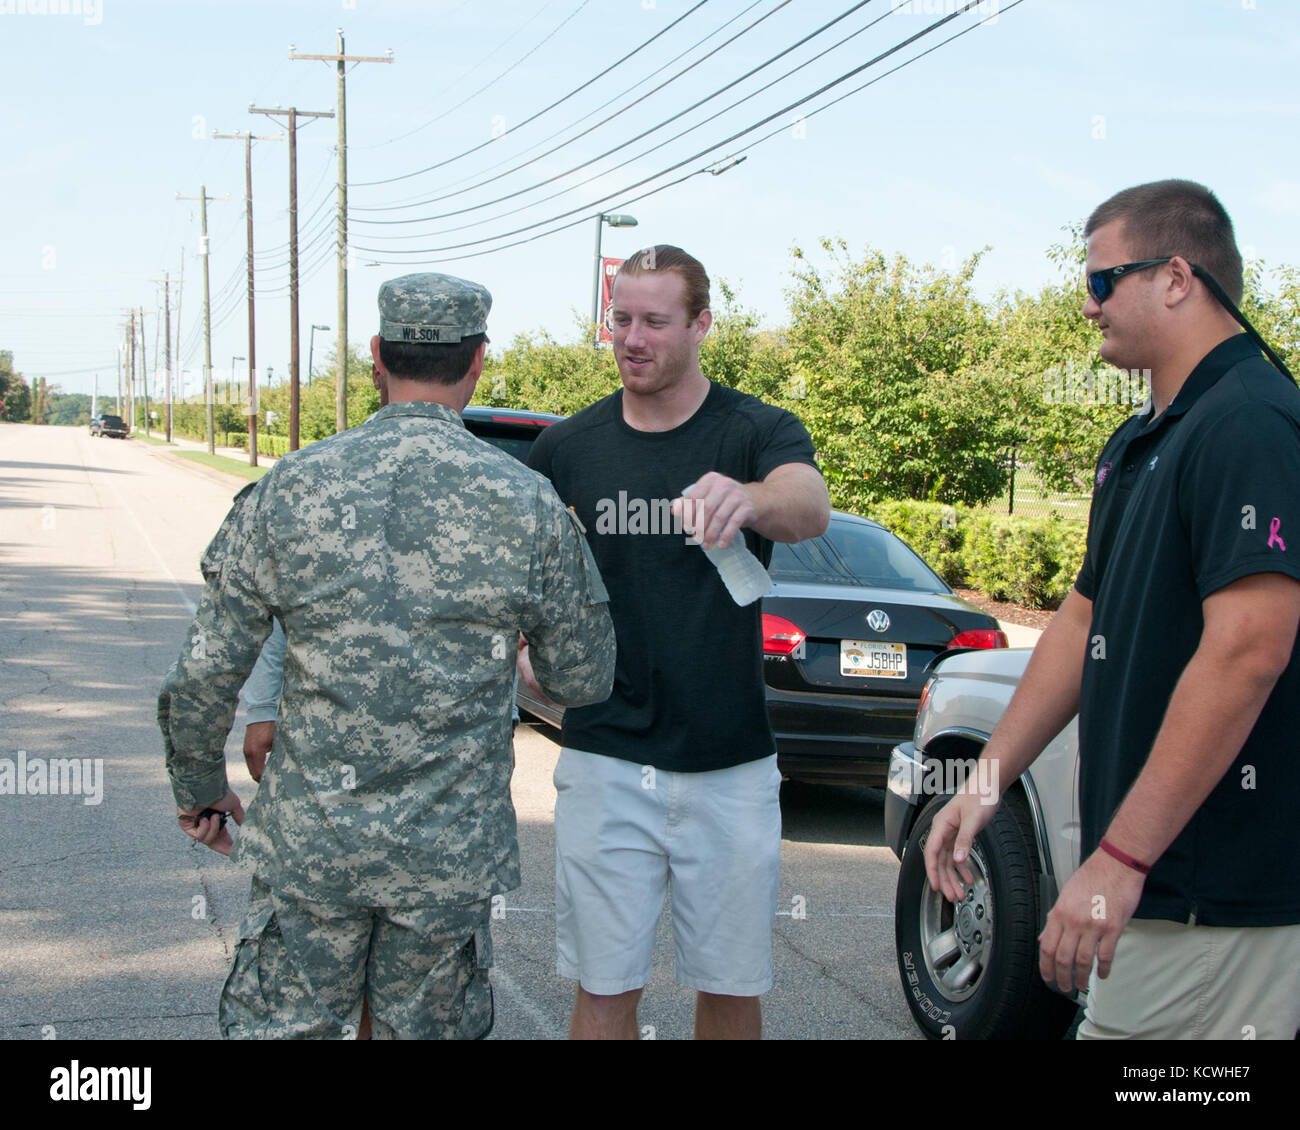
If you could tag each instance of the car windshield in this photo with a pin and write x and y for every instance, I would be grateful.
(112, 419)
(852, 553)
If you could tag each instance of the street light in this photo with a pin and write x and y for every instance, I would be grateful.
(311, 347)
(228, 384)
(614, 220)
(232, 376)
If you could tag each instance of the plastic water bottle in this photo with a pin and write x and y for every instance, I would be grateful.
(742, 573)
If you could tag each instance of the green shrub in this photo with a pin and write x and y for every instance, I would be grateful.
(1030, 561)
(933, 530)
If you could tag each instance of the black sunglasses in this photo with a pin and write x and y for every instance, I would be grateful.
(1101, 284)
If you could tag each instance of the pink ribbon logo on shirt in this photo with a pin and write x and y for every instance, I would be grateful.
(1273, 536)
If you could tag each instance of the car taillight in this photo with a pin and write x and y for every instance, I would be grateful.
(980, 637)
(780, 637)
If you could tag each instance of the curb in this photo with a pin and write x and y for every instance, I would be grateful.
(237, 481)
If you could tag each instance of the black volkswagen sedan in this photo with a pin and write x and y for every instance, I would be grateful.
(851, 628)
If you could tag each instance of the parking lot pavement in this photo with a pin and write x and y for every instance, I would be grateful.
(116, 925)
(836, 976)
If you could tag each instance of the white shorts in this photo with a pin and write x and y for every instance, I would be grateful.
(626, 834)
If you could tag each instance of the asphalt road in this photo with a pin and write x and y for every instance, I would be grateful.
(114, 924)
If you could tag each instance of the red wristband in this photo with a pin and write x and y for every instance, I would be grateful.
(1114, 852)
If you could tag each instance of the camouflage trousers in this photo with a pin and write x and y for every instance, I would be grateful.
(301, 970)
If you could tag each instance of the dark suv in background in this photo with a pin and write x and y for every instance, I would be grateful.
(108, 426)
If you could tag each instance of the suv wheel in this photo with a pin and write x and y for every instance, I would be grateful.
(970, 969)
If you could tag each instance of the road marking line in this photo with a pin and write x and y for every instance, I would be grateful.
(186, 602)
(510, 988)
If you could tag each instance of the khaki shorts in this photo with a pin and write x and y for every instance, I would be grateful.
(1172, 981)
(301, 969)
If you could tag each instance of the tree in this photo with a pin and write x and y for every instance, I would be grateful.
(879, 353)
(537, 372)
(316, 411)
(15, 396)
(69, 409)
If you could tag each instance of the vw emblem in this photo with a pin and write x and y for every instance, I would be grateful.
(878, 620)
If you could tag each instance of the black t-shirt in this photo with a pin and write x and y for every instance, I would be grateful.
(1203, 495)
(688, 685)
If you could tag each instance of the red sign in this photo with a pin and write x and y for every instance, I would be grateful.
(608, 269)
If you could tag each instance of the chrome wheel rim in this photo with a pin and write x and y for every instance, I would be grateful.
(957, 938)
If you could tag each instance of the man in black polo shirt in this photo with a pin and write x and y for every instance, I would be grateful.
(1177, 650)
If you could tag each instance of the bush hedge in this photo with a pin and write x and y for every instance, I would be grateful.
(1031, 561)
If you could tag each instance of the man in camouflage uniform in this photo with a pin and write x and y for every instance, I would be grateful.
(403, 558)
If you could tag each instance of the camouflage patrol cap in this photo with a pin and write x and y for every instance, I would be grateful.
(432, 309)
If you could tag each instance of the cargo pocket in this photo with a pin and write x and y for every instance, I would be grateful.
(246, 1006)
(479, 1013)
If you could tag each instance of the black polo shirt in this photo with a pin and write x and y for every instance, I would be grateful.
(1206, 493)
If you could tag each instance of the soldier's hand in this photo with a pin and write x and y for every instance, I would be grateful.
(258, 739)
(526, 675)
(211, 830)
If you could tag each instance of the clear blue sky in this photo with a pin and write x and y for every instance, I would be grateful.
(1000, 137)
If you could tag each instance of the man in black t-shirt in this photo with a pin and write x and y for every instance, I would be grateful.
(1177, 649)
(672, 782)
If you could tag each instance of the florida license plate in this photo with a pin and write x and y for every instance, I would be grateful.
(873, 659)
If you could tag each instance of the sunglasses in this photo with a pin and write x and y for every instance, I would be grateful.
(1101, 284)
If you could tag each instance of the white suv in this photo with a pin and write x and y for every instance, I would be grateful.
(970, 970)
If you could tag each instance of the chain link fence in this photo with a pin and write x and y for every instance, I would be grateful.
(1027, 497)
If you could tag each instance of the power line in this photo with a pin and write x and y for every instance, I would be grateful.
(645, 133)
(603, 121)
(752, 145)
(559, 101)
(666, 65)
(487, 86)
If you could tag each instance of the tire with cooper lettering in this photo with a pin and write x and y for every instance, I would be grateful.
(970, 969)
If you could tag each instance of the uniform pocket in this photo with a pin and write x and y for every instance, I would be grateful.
(246, 998)
(479, 1013)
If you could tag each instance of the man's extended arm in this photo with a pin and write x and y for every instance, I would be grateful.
(1247, 641)
(1044, 702)
(789, 505)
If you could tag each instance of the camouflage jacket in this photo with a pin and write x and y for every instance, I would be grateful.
(403, 557)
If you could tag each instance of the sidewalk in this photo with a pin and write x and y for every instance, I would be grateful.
(235, 453)
(1019, 636)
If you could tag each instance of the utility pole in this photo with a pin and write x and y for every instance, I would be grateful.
(180, 294)
(130, 369)
(119, 380)
(144, 371)
(248, 138)
(203, 199)
(294, 113)
(340, 60)
(167, 306)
